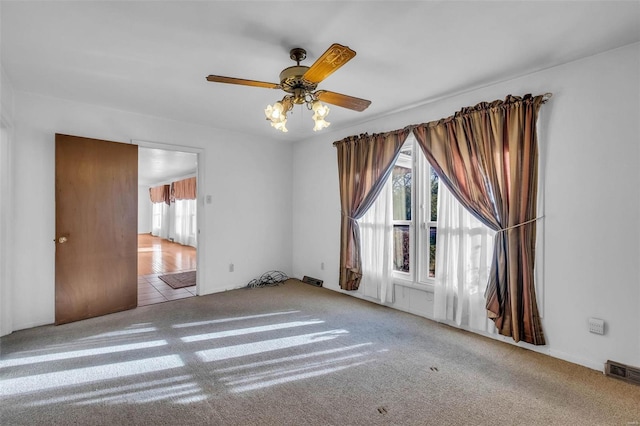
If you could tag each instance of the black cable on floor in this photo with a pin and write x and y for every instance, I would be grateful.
(268, 279)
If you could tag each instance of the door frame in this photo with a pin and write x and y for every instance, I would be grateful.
(200, 191)
(6, 218)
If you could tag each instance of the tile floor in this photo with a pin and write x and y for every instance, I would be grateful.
(152, 289)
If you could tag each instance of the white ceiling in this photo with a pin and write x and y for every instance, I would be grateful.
(153, 57)
(159, 166)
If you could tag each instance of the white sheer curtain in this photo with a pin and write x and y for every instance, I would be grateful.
(185, 222)
(376, 236)
(161, 220)
(463, 257)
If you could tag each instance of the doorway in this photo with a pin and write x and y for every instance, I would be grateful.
(160, 257)
(167, 227)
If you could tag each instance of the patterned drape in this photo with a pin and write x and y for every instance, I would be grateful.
(364, 164)
(487, 156)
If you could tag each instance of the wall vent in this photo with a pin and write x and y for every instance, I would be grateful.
(313, 281)
(621, 371)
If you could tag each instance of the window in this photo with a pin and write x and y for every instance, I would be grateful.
(415, 210)
(160, 218)
(185, 222)
(157, 216)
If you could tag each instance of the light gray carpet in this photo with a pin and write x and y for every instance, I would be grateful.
(291, 355)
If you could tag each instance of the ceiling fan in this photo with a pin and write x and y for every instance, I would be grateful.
(300, 83)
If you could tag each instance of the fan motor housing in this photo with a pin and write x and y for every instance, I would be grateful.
(291, 80)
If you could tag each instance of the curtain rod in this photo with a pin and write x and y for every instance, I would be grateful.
(545, 98)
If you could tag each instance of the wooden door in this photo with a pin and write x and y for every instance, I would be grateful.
(96, 227)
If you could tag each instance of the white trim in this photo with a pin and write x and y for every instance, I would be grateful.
(539, 266)
(6, 230)
(418, 275)
(166, 146)
(406, 162)
(200, 191)
(173, 179)
(415, 285)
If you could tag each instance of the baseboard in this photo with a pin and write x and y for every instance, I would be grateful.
(32, 324)
(589, 363)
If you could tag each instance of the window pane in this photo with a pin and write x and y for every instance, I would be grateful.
(434, 196)
(401, 193)
(432, 251)
(157, 215)
(401, 248)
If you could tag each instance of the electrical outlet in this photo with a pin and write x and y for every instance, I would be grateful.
(596, 326)
(322, 266)
(231, 267)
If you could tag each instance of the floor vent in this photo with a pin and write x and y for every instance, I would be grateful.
(313, 281)
(621, 371)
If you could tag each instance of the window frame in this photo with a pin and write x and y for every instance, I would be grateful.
(420, 223)
(407, 162)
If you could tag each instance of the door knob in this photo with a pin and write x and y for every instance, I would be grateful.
(62, 240)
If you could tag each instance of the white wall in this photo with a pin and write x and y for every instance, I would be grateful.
(249, 179)
(589, 141)
(145, 207)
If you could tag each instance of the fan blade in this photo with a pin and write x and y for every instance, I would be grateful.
(242, 81)
(336, 56)
(343, 101)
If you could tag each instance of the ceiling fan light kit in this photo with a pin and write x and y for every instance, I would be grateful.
(320, 113)
(300, 83)
(277, 113)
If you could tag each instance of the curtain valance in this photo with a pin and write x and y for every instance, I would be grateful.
(184, 189)
(160, 194)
